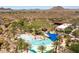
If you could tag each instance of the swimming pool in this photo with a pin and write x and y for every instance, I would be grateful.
(36, 42)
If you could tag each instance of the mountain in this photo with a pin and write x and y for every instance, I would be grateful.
(57, 8)
(5, 9)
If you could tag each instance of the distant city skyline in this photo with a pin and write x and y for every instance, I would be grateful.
(38, 7)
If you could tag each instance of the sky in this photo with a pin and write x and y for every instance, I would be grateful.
(39, 2)
(27, 7)
(38, 7)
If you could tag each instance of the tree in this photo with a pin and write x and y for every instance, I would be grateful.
(74, 47)
(56, 44)
(18, 24)
(27, 46)
(41, 48)
(68, 40)
(22, 45)
(68, 30)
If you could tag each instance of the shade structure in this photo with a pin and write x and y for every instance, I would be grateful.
(52, 37)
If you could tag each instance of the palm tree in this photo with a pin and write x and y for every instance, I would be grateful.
(56, 44)
(22, 45)
(41, 48)
(27, 46)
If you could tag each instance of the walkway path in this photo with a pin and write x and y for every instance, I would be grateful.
(73, 37)
(74, 30)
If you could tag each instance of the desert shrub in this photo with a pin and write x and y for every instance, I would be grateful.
(74, 47)
(1, 30)
(76, 33)
(68, 30)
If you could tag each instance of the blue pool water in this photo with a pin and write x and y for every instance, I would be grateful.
(33, 41)
(41, 42)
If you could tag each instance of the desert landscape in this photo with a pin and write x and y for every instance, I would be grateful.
(54, 30)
